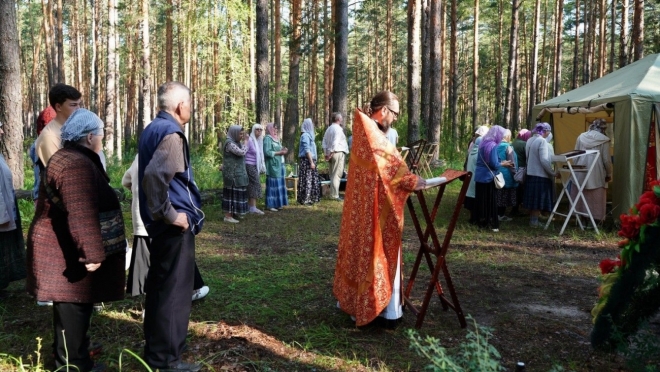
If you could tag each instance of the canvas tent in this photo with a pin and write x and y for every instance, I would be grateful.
(633, 97)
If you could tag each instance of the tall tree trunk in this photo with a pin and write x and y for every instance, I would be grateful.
(602, 37)
(426, 84)
(576, 47)
(436, 73)
(498, 68)
(291, 116)
(144, 104)
(340, 75)
(313, 68)
(414, 68)
(60, 43)
(475, 68)
(513, 59)
(11, 110)
(169, 37)
(50, 64)
(586, 53)
(638, 30)
(110, 99)
(278, 65)
(388, 22)
(262, 102)
(453, 67)
(623, 41)
(96, 60)
(533, 81)
(612, 35)
(559, 32)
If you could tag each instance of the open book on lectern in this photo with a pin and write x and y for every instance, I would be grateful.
(435, 181)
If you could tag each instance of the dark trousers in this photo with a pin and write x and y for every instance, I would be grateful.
(70, 343)
(198, 281)
(168, 300)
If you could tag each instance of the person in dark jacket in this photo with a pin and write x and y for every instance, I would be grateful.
(66, 257)
(170, 209)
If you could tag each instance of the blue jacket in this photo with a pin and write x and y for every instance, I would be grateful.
(183, 192)
(507, 172)
(482, 173)
(307, 144)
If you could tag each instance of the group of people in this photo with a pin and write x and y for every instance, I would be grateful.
(491, 152)
(73, 256)
(245, 158)
(76, 245)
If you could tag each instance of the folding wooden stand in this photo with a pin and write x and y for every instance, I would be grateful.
(435, 249)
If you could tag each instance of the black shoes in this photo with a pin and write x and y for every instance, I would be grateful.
(181, 367)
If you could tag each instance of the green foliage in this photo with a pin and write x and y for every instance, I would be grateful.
(475, 354)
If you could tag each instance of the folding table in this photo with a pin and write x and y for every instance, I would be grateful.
(434, 252)
(569, 177)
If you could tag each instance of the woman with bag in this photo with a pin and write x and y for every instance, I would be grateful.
(539, 182)
(74, 251)
(506, 196)
(486, 176)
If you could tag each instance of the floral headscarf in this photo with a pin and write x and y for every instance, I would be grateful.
(542, 127)
(272, 131)
(599, 125)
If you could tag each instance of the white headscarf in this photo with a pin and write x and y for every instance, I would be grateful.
(308, 127)
(258, 145)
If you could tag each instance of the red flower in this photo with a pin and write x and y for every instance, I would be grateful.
(647, 198)
(609, 266)
(648, 213)
(629, 226)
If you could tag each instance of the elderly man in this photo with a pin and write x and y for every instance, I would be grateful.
(335, 149)
(170, 209)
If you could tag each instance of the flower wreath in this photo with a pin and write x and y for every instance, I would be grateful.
(630, 288)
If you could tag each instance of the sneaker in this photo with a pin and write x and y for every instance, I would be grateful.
(504, 218)
(273, 209)
(256, 211)
(200, 293)
(98, 306)
(230, 220)
(496, 230)
(44, 303)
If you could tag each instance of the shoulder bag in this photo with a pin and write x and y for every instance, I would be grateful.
(497, 179)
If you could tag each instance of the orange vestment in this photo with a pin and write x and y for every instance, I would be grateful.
(379, 183)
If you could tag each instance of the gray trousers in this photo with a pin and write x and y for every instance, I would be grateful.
(336, 170)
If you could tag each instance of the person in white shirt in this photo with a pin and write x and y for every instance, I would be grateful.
(392, 136)
(335, 149)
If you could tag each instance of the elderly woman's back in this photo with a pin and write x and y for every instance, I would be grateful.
(67, 259)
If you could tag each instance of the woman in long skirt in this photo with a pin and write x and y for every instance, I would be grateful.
(309, 187)
(254, 165)
(234, 175)
(276, 196)
(487, 168)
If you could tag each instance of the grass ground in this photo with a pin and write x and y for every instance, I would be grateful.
(271, 306)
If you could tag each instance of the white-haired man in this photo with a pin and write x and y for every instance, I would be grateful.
(170, 209)
(335, 149)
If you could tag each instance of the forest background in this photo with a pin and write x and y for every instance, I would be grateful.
(454, 64)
